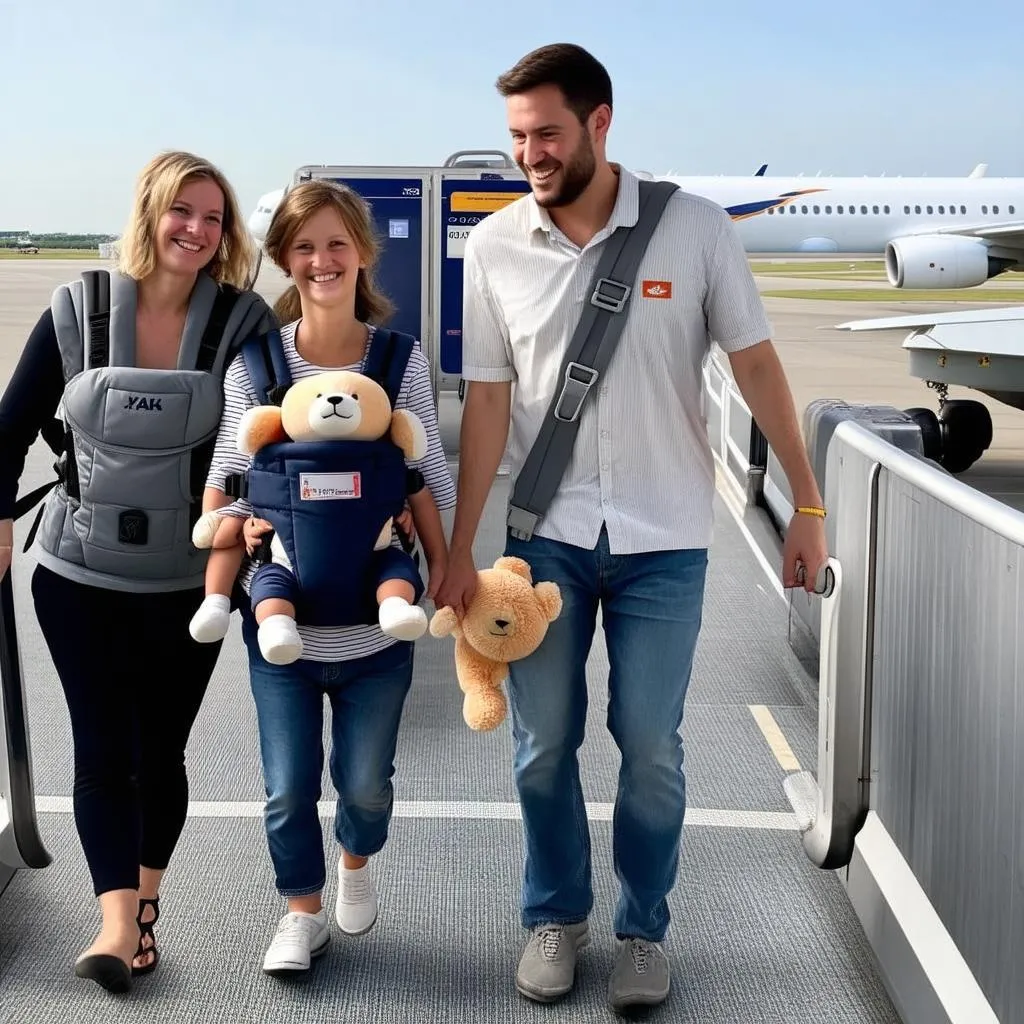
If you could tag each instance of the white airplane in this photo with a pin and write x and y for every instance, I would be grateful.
(259, 220)
(981, 349)
(934, 232)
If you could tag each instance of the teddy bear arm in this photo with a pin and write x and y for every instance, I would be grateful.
(258, 427)
(408, 432)
(472, 668)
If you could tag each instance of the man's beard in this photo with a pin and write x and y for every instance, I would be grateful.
(576, 176)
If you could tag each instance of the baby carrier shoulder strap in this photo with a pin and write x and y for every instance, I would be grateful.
(387, 359)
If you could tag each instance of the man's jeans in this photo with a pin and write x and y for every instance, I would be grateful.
(651, 607)
(367, 697)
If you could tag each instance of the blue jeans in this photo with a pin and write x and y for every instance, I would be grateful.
(652, 606)
(367, 697)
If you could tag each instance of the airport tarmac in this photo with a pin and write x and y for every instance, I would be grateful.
(820, 361)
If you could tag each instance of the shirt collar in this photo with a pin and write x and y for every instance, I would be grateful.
(625, 212)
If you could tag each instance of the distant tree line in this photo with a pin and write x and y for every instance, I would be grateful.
(15, 239)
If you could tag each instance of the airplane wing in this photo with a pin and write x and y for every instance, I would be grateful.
(930, 320)
(1008, 235)
(994, 332)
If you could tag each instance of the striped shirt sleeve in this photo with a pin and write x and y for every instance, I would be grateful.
(486, 349)
(227, 459)
(733, 305)
(417, 396)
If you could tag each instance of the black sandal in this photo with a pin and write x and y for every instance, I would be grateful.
(146, 931)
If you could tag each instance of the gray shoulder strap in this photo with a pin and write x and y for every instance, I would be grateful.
(81, 319)
(586, 358)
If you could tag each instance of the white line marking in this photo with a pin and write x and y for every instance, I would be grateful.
(463, 811)
(722, 486)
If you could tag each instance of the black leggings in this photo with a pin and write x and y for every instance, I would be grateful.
(133, 679)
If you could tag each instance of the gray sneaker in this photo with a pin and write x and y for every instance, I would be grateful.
(547, 968)
(640, 977)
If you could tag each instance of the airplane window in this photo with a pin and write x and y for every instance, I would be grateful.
(984, 209)
(942, 209)
(1011, 209)
(828, 209)
(874, 209)
(792, 209)
(817, 209)
(864, 209)
(963, 209)
(839, 209)
(929, 209)
(995, 209)
(885, 209)
(917, 209)
(803, 209)
(906, 209)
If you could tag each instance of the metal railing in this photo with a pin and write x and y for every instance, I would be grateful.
(921, 672)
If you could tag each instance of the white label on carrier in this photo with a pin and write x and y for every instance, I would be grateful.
(329, 486)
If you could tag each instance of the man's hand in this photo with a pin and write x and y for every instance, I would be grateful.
(805, 545)
(459, 584)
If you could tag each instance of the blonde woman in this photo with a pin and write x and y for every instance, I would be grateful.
(322, 237)
(130, 404)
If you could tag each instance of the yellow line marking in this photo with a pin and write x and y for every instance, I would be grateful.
(773, 735)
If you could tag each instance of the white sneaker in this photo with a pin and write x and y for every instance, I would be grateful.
(298, 939)
(356, 910)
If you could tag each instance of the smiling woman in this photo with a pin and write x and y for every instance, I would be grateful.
(118, 578)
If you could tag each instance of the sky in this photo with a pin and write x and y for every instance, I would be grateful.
(90, 91)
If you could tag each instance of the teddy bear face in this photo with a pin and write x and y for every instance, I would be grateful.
(507, 618)
(336, 405)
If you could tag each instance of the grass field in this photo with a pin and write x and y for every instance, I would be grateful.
(1005, 296)
(51, 254)
(848, 270)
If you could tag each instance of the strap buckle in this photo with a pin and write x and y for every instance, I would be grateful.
(605, 299)
(521, 522)
(574, 390)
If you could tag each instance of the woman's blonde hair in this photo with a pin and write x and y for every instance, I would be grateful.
(298, 205)
(156, 189)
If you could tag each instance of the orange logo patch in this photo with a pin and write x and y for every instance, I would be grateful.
(656, 289)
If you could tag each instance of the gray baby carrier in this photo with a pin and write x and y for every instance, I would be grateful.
(135, 444)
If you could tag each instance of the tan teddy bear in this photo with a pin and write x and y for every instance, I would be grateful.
(506, 620)
(332, 406)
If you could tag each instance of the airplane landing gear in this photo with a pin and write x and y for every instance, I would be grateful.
(958, 435)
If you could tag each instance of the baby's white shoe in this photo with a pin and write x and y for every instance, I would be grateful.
(402, 620)
(279, 640)
(211, 620)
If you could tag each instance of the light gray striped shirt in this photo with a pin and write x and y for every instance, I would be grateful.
(339, 643)
(642, 463)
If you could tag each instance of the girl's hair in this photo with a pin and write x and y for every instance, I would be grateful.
(156, 189)
(297, 206)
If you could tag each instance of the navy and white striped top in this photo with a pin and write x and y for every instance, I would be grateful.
(337, 643)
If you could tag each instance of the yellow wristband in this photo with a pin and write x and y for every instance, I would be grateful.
(812, 510)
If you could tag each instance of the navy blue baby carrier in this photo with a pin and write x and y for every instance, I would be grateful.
(328, 500)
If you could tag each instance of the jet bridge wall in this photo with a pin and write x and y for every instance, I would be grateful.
(916, 799)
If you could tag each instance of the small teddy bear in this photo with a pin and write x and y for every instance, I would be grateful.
(507, 620)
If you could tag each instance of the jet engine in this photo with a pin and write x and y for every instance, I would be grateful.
(940, 261)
